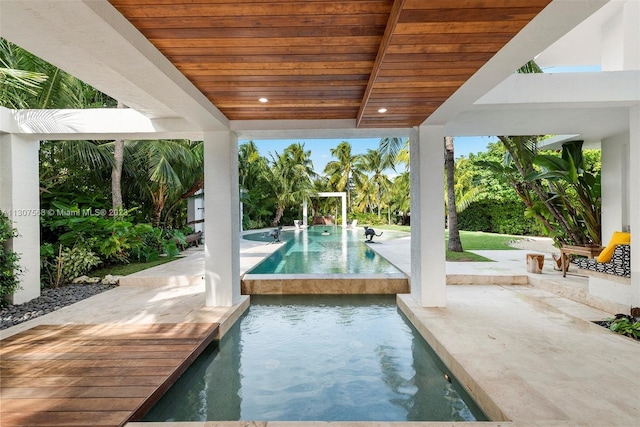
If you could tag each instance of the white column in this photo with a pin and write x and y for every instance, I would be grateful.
(305, 214)
(221, 213)
(428, 268)
(344, 210)
(634, 202)
(615, 194)
(20, 201)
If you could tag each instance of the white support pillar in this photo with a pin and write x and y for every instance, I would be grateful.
(634, 202)
(305, 213)
(428, 262)
(221, 213)
(344, 210)
(615, 188)
(20, 201)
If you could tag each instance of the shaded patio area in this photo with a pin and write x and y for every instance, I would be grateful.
(526, 355)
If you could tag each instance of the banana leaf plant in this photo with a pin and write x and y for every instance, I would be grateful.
(577, 190)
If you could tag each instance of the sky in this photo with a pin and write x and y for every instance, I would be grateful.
(321, 154)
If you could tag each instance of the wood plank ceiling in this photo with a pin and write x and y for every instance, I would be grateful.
(319, 59)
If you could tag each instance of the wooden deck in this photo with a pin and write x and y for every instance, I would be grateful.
(93, 375)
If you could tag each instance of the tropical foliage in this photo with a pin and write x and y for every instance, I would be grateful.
(10, 269)
(559, 192)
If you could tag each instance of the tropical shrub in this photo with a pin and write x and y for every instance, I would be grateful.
(48, 265)
(75, 262)
(145, 243)
(66, 264)
(625, 325)
(172, 241)
(10, 269)
(504, 217)
(368, 218)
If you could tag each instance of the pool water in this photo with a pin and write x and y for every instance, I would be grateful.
(324, 250)
(318, 358)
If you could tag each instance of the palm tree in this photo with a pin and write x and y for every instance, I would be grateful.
(290, 177)
(116, 171)
(165, 172)
(254, 189)
(455, 244)
(390, 148)
(375, 163)
(18, 79)
(343, 172)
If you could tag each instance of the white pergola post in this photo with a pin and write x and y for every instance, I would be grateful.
(305, 213)
(634, 202)
(221, 213)
(343, 197)
(20, 201)
(428, 268)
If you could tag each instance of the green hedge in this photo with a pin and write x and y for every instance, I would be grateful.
(494, 216)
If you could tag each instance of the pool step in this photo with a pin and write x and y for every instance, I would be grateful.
(272, 284)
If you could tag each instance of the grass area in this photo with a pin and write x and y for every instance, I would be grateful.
(133, 267)
(471, 241)
(478, 240)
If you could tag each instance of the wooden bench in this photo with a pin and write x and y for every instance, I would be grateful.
(590, 251)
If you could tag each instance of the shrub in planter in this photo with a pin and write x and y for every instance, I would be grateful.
(9, 260)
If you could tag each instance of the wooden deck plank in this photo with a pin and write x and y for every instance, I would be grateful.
(42, 355)
(84, 418)
(99, 375)
(91, 404)
(60, 381)
(42, 363)
(73, 392)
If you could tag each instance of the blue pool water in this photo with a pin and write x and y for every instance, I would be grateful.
(318, 358)
(324, 250)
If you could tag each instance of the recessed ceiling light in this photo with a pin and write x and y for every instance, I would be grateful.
(382, 110)
(263, 100)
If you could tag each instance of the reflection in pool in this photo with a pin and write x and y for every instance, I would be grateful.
(324, 250)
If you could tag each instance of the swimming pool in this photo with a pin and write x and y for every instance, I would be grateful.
(318, 358)
(323, 250)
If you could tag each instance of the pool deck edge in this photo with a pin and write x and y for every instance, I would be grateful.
(410, 308)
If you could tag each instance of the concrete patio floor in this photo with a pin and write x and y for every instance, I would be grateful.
(530, 357)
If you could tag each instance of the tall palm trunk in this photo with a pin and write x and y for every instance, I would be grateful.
(278, 216)
(116, 171)
(455, 244)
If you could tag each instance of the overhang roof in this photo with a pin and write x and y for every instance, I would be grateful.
(329, 59)
(106, 50)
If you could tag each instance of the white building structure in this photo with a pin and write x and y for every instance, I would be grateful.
(105, 50)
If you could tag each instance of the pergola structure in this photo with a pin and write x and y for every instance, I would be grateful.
(343, 197)
(379, 68)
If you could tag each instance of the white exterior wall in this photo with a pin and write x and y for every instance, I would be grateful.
(428, 261)
(222, 214)
(20, 201)
(195, 211)
(631, 35)
(620, 40)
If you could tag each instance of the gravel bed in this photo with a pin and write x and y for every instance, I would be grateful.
(51, 299)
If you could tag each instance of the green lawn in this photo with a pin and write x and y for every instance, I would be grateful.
(471, 241)
(133, 267)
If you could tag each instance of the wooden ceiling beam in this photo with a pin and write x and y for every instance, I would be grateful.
(394, 16)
